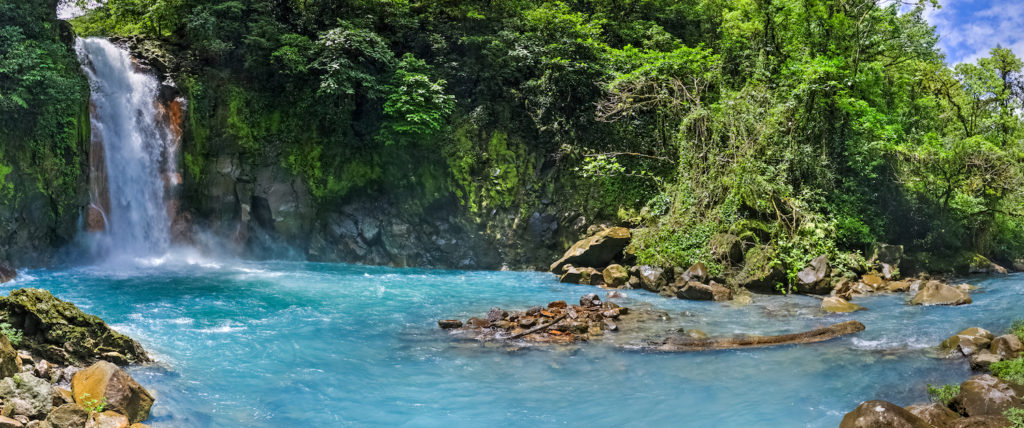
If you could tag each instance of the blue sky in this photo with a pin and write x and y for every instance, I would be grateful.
(968, 29)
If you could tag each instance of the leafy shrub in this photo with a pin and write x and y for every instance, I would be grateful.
(13, 335)
(1016, 417)
(1010, 371)
(1017, 329)
(92, 404)
(943, 394)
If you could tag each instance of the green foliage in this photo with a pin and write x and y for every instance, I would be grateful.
(93, 405)
(416, 107)
(1017, 329)
(13, 335)
(1015, 416)
(943, 394)
(1009, 370)
(831, 124)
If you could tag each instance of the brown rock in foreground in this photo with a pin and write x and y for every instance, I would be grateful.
(123, 394)
(985, 395)
(878, 414)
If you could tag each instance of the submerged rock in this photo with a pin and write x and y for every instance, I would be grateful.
(985, 395)
(878, 413)
(937, 293)
(595, 251)
(836, 304)
(122, 393)
(449, 324)
(60, 332)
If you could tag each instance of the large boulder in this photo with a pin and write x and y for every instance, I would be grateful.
(60, 332)
(10, 362)
(837, 304)
(698, 272)
(28, 395)
(694, 290)
(760, 271)
(937, 293)
(615, 276)
(985, 395)
(68, 416)
(967, 342)
(7, 273)
(814, 279)
(596, 251)
(878, 413)
(1007, 346)
(123, 394)
(934, 413)
(653, 278)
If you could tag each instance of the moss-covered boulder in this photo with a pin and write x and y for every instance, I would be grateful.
(10, 363)
(615, 276)
(60, 332)
(760, 272)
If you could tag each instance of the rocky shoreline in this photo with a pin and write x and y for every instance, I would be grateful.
(59, 367)
(605, 259)
(992, 399)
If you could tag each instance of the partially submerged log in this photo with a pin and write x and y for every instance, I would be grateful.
(689, 344)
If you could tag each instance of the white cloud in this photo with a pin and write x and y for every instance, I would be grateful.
(969, 29)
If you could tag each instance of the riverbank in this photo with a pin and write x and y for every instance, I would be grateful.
(59, 367)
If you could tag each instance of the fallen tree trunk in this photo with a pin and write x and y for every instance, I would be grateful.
(538, 328)
(688, 344)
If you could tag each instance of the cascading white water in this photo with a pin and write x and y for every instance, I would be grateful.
(134, 148)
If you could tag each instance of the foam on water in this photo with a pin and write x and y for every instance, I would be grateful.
(298, 344)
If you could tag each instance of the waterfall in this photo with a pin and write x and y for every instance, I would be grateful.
(132, 162)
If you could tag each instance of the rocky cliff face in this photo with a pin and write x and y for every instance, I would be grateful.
(44, 160)
(242, 191)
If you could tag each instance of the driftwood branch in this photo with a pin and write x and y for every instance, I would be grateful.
(686, 344)
(538, 328)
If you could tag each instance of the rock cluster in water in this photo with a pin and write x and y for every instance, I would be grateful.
(981, 401)
(42, 382)
(558, 322)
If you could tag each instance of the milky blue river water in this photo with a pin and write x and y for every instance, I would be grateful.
(288, 344)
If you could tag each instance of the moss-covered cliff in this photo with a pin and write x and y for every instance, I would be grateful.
(45, 132)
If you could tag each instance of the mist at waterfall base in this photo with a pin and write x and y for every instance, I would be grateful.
(254, 344)
(301, 344)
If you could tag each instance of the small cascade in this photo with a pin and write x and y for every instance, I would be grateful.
(133, 161)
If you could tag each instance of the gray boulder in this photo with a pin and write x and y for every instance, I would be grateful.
(814, 279)
(29, 395)
(937, 293)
